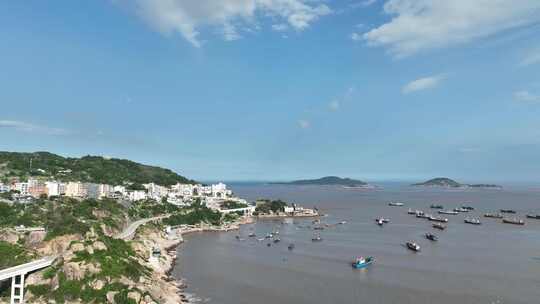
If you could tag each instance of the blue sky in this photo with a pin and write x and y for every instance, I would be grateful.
(278, 89)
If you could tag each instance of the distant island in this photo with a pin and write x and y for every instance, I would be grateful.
(328, 181)
(450, 183)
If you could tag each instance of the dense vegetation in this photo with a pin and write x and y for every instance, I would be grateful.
(447, 182)
(12, 254)
(197, 213)
(232, 205)
(63, 215)
(150, 208)
(94, 169)
(329, 181)
(270, 206)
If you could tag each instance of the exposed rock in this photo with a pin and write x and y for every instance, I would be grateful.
(35, 238)
(97, 284)
(76, 247)
(7, 235)
(73, 271)
(99, 246)
(135, 296)
(110, 296)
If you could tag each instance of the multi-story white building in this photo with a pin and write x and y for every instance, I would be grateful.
(156, 191)
(92, 190)
(22, 188)
(4, 188)
(76, 189)
(105, 191)
(137, 195)
(55, 188)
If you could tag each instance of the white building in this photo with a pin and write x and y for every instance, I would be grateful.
(156, 191)
(105, 191)
(76, 189)
(22, 188)
(55, 188)
(4, 188)
(137, 195)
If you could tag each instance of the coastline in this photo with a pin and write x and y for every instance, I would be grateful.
(174, 288)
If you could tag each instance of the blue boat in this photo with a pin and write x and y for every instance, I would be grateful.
(362, 262)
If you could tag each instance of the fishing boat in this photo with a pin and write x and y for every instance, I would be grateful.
(277, 240)
(514, 221)
(534, 216)
(316, 238)
(269, 235)
(439, 226)
(433, 206)
(413, 246)
(472, 221)
(382, 219)
(290, 247)
(395, 204)
(342, 223)
(361, 262)
(449, 212)
(252, 234)
(431, 237)
(493, 215)
(423, 215)
(410, 211)
(379, 222)
(461, 210)
(507, 211)
(438, 219)
(318, 228)
(467, 207)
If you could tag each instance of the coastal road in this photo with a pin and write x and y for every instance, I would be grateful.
(129, 232)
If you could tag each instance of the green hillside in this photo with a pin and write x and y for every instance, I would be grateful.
(95, 169)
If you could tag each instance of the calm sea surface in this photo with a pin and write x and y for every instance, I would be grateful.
(491, 263)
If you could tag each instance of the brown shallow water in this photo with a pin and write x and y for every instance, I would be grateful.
(491, 263)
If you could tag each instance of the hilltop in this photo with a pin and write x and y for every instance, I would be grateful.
(450, 183)
(92, 169)
(328, 181)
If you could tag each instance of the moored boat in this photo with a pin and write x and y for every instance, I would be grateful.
(423, 215)
(252, 234)
(361, 262)
(461, 210)
(507, 211)
(438, 219)
(434, 206)
(534, 216)
(277, 240)
(472, 221)
(449, 212)
(395, 204)
(439, 226)
(493, 215)
(431, 237)
(316, 238)
(413, 246)
(514, 221)
(410, 211)
(467, 207)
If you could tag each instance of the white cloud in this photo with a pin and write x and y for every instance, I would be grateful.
(532, 57)
(304, 124)
(188, 17)
(368, 2)
(280, 27)
(422, 84)
(526, 96)
(32, 128)
(334, 105)
(356, 37)
(419, 25)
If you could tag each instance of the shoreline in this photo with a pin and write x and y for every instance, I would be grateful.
(171, 251)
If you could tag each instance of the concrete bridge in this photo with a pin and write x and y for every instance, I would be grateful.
(17, 274)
